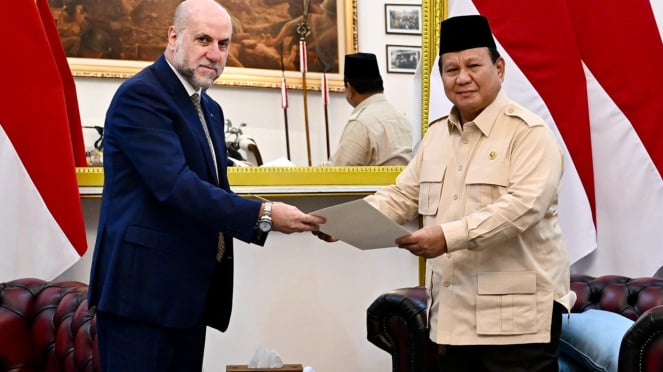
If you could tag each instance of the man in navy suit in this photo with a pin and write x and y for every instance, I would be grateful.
(163, 263)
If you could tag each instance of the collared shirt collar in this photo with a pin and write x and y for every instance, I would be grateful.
(377, 97)
(486, 119)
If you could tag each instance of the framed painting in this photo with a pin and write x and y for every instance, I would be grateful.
(117, 38)
(402, 19)
(403, 58)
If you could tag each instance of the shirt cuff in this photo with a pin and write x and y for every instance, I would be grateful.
(455, 234)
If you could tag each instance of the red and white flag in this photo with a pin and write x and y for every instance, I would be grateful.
(591, 69)
(42, 232)
(71, 100)
(284, 94)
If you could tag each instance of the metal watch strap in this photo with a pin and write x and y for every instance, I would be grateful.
(267, 211)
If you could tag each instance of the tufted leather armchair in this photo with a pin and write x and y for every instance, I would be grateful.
(396, 322)
(46, 326)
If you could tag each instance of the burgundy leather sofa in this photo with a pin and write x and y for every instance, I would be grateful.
(46, 326)
(396, 322)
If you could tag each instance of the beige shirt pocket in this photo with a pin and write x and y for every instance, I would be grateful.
(486, 183)
(506, 303)
(431, 179)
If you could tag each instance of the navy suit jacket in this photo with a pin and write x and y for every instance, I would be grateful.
(162, 209)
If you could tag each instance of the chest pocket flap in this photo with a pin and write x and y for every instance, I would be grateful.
(493, 173)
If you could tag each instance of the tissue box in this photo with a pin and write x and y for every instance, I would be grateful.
(285, 368)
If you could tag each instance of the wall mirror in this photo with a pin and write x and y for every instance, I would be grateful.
(324, 180)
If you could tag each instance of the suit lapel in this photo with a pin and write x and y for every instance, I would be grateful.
(173, 86)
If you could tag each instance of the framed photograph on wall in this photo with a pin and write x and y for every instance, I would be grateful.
(403, 58)
(402, 19)
(116, 39)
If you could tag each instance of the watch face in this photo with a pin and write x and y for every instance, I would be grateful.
(265, 226)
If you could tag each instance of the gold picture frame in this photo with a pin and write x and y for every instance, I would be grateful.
(433, 14)
(145, 37)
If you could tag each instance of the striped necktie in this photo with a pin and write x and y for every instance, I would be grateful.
(221, 244)
(196, 103)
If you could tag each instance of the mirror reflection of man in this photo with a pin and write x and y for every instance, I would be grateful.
(376, 133)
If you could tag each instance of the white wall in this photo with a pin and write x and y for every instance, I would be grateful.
(302, 297)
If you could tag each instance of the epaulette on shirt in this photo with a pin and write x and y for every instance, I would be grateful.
(441, 118)
(530, 118)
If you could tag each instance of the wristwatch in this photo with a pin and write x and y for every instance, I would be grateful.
(264, 224)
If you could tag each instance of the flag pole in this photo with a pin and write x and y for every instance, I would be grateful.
(284, 105)
(325, 103)
(324, 88)
(304, 30)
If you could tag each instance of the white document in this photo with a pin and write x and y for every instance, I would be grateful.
(361, 225)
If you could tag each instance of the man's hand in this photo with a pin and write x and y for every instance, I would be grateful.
(325, 237)
(288, 219)
(427, 242)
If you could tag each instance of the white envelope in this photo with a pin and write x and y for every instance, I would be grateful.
(361, 225)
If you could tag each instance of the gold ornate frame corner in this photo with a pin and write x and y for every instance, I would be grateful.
(433, 13)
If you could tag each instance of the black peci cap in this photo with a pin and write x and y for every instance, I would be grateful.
(465, 32)
(363, 66)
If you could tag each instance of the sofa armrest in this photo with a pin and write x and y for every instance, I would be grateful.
(46, 326)
(397, 323)
(17, 348)
(642, 346)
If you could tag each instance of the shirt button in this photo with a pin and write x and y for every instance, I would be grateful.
(455, 197)
(460, 168)
(449, 255)
(466, 141)
(446, 284)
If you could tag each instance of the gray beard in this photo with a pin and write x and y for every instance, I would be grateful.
(190, 75)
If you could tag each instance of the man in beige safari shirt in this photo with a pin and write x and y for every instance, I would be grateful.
(486, 181)
(376, 133)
